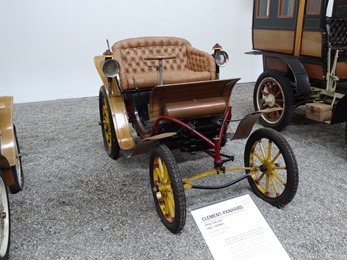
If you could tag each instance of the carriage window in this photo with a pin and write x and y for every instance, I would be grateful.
(313, 7)
(286, 8)
(263, 8)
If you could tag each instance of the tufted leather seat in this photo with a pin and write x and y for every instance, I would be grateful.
(188, 65)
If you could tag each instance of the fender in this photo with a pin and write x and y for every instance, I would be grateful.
(7, 149)
(6, 171)
(117, 107)
(6, 130)
(340, 111)
(147, 144)
(120, 121)
(300, 75)
(246, 124)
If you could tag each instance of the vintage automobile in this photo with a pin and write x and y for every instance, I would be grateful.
(303, 45)
(11, 174)
(161, 94)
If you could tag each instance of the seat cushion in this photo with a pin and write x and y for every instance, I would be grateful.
(151, 79)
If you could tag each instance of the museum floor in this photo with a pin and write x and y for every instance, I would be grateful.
(79, 204)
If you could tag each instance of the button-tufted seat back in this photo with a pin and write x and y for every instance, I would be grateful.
(189, 64)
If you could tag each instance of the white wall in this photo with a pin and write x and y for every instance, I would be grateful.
(47, 46)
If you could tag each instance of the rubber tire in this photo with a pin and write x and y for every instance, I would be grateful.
(166, 156)
(17, 170)
(346, 133)
(292, 173)
(289, 101)
(4, 207)
(114, 150)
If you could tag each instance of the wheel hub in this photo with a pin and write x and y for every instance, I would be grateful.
(263, 168)
(270, 100)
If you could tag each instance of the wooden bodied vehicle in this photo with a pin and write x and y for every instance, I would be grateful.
(171, 95)
(11, 174)
(303, 44)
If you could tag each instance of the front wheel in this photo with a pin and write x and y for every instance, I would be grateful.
(107, 127)
(273, 90)
(167, 189)
(275, 176)
(5, 230)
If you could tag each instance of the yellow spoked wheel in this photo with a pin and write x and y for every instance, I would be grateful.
(276, 178)
(5, 227)
(167, 189)
(107, 127)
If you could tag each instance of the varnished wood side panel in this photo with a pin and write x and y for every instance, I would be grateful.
(276, 64)
(341, 70)
(311, 44)
(314, 71)
(273, 40)
(173, 93)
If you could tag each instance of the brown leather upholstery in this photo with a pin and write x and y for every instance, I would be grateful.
(189, 64)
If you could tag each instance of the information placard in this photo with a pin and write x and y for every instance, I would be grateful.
(236, 229)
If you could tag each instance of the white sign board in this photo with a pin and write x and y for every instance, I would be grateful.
(236, 229)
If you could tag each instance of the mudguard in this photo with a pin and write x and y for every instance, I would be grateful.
(6, 130)
(7, 139)
(246, 124)
(118, 109)
(295, 66)
(147, 144)
(120, 121)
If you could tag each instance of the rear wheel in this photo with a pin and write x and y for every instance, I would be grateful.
(107, 127)
(17, 169)
(167, 189)
(5, 230)
(273, 90)
(275, 178)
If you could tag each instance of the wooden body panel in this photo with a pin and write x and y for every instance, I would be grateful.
(274, 40)
(341, 70)
(314, 71)
(273, 63)
(178, 93)
(6, 130)
(311, 44)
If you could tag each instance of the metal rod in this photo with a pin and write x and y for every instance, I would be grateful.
(220, 186)
(179, 122)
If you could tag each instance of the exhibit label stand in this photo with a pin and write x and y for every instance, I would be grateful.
(236, 229)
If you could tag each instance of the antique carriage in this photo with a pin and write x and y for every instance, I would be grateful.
(303, 44)
(160, 94)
